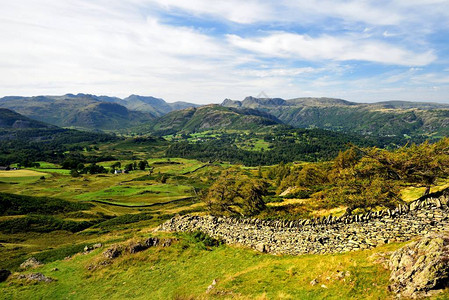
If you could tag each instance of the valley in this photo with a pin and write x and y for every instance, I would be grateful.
(70, 196)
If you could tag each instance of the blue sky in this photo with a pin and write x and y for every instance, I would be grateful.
(204, 51)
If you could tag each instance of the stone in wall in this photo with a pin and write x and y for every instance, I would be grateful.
(322, 235)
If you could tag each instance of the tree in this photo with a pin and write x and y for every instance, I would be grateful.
(234, 193)
(116, 165)
(357, 181)
(129, 167)
(142, 165)
(418, 165)
(95, 169)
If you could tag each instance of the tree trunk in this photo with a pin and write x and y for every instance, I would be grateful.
(427, 192)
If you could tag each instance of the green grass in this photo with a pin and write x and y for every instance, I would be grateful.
(139, 195)
(255, 144)
(186, 269)
(48, 165)
(52, 170)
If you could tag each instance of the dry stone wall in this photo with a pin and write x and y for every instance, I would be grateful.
(323, 235)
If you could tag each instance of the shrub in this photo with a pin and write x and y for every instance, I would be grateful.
(203, 240)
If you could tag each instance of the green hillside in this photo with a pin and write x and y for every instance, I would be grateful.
(12, 120)
(389, 118)
(156, 106)
(211, 117)
(80, 111)
(105, 116)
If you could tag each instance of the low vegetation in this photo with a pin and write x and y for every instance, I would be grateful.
(74, 189)
(11, 204)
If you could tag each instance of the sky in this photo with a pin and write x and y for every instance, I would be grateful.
(204, 51)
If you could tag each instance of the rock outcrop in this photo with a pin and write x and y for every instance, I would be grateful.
(113, 252)
(421, 266)
(35, 277)
(31, 262)
(323, 235)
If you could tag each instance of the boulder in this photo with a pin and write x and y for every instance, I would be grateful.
(314, 282)
(4, 274)
(212, 286)
(31, 262)
(113, 252)
(152, 242)
(137, 247)
(97, 245)
(421, 266)
(88, 248)
(167, 242)
(38, 277)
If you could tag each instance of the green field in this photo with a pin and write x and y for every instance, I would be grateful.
(127, 207)
(185, 270)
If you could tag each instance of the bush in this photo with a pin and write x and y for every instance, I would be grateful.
(203, 240)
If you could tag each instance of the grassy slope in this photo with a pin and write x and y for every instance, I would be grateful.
(182, 271)
(210, 117)
(185, 270)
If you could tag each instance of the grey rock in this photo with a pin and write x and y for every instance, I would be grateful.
(37, 277)
(420, 266)
(167, 242)
(137, 247)
(261, 248)
(113, 252)
(211, 286)
(152, 242)
(31, 262)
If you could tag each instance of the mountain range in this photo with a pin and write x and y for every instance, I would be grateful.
(212, 116)
(382, 118)
(142, 114)
(91, 112)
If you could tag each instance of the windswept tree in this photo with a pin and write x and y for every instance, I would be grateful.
(357, 181)
(417, 165)
(235, 193)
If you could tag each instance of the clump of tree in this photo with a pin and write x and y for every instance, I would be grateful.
(141, 165)
(416, 165)
(89, 169)
(359, 182)
(236, 194)
(368, 178)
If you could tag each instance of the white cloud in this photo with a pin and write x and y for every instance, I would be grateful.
(303, 11)
(119, 47)
(282, 44)
(277, 72)
(233, 10)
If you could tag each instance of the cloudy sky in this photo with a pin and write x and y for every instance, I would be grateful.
(206, 50)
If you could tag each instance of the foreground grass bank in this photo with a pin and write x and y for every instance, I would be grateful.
(185, 269)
